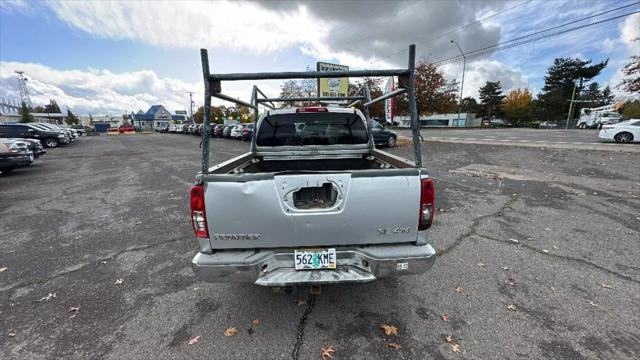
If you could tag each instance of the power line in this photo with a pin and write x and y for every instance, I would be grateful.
(499, 46)
(455, 30)
(502, 46)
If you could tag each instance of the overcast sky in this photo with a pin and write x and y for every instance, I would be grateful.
(109, 57)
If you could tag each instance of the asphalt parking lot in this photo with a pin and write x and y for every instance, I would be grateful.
(538, 252)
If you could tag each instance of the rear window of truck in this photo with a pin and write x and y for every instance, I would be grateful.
(301, 129)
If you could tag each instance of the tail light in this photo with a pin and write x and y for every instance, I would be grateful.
(312, 109)
(198, 213)
(245, 130)
(427, 203)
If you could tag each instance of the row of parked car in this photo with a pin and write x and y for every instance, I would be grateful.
(238, 131)
(22, 144)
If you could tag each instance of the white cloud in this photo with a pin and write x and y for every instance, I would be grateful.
(97, 91)
(629, 31)
(481, 71)
(192, 24)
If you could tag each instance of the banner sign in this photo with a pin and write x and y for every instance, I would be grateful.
(332, 87)
(181, 112)
(388, 104)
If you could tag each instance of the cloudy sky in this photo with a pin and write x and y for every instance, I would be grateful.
(109, 57)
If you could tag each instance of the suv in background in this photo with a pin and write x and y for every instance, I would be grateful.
(48, 137)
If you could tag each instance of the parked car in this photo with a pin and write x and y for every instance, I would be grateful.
(247, 132)
(49, 138)
(34, 145)
(548, 125)
(126, 128)
(622, 132)
(236, 132)
(498, 123)
(12, 156)
(226, 132)
(216, 131)
(80, 129)
(70, 134)
(383, 136)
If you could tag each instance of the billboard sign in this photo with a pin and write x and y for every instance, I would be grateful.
(388, 104)
(333, 87)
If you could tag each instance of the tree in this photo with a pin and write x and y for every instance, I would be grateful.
(631, 110)
(517, 106)
(71, 119)
(562, 76)
(491, 98)
(470, 105)
(52, 107)
(25, 115)
(298, 88)
(632, 71)
(434, 94)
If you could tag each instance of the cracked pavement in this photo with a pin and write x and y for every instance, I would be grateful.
(553, 231)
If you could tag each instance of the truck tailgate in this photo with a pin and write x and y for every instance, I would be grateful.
(312, 209)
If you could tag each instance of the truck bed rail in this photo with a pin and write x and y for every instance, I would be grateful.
(213, 88)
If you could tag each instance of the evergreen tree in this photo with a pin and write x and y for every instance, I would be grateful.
(25, 116)
(491, 98)
(71, 119)
(52, 107)
(562, 76)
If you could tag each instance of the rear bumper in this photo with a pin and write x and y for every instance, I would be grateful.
(274, 267)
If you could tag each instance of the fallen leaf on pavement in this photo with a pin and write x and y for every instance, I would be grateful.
(459, 289)
(481, 264)
(300, 301)
(389, 330)
(504, 268)
(255, 322)
(545, 251)
(119, 282)
(195, 340)
(455, 348)
(607, 286)
(394, 346)
(12, 333)
(326, 352)
(48, 297)
(74, 310)
(445, 317)
(514, 240)
(512, 307)
(592, 303)
(511, 281)
(232, 331)
(3, 269)
(449, 339)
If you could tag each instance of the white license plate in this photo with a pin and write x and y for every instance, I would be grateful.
(314, 259)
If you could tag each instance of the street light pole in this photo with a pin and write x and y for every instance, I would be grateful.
(464, 66)
(190, 106)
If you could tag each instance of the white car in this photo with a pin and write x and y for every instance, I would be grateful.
(622, 132)
(236, 132)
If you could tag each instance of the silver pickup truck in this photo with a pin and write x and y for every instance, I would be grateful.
(313, 202)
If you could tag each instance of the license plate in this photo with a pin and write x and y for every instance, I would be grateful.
(314, 259)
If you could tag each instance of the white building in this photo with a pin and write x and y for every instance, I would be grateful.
(442, 120)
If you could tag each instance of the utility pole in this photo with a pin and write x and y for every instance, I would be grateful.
(570, 114)
(191, 106)
(464, 66)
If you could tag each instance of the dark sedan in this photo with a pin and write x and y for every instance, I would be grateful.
(383, 136)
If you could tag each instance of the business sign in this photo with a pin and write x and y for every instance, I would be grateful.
(388, 104)
(333, 87)
(181, 112)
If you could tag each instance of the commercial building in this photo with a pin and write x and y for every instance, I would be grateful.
(443, 120)
(156, 117)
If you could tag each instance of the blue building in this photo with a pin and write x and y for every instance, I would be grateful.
(156, 117)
